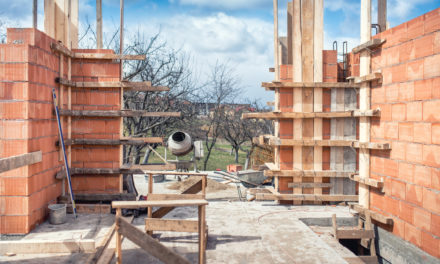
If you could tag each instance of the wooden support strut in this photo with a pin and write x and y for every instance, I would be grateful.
(127, 141)
(308, 173)
(118, 113)
(14, 162)
(307, 197)
(328, 143)
(131, 86)
(59, 47)
(327, 85)
(292, 115)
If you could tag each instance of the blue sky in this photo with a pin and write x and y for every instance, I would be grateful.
(237, 31)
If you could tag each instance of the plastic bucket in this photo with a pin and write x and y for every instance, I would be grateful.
(57, 214)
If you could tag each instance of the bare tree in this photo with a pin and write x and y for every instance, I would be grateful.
(222, 87)
(240, 132)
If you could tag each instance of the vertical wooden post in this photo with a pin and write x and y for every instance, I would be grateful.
(277, 91)
(118, 238)
(49, 17)
(204, 184)
(99, 24)
(382, 14)
(202, 231)
(297, 92)
(73, 21)
(317, 77)
(121, 124)
(150, 183)
(290, 31)
(364, 104)
(69, 77)
(35, 14)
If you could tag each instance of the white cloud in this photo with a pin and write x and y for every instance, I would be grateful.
(227, 4)
(401, 9)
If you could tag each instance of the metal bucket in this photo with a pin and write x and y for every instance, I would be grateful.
(57, 214)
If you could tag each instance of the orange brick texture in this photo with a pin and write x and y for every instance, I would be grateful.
(27, 72)
(330, 74)
(409, 99)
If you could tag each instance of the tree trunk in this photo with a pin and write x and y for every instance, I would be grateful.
(236, 154)
(146, 156)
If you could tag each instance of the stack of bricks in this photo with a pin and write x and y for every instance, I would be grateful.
(28, 69)
(409, 99)
(330, 74)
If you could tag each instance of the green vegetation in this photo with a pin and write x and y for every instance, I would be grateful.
(219, 159)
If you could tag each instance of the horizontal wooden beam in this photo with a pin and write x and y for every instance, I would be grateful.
(307, 197)
(99, 197)
(144, 169)
(155, 224)
(294, 115)
(308, 173)
(117, 113)
(14, 162)
(367, 181)
(123, 170)
(135, 142)
(58, 47)
(370, 45)
(341, 85)
(375, 76)
(329, 143)
(374, 215)
(167, 203)
(309, 185)
(354, 234)
(175, 173)
(89, 208)
(30, 246)
(130, 86)
(174, 196)
(149, 244)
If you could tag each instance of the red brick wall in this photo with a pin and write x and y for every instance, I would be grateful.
(27, 72)
(409, 98)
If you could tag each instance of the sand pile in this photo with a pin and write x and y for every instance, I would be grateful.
(213, 185)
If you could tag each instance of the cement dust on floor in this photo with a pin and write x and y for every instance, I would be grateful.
(239, 232)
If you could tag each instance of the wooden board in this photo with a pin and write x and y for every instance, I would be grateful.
(309, 185)
(167, 203)
(149, 167)
(301, 84)
(156, 224)
(124, 141)
(99, 197)
(307, 173)
(354, 234)
(149, 244)
(375, 76)
(307, 197)
(382, 14)
(134, 169)
(89, 208)
(370, 182)
(18, 161)
(374, 215)
(117, 113)
(328, 143)
(176, 173)
(368, 44)
(131, 86)
(317, 114)
(173, 196)
(47, 246)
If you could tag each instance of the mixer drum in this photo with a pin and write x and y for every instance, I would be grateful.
(180, 143)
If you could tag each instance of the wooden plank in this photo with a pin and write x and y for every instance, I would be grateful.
(370, 182)
(108, 56)
(354, 234)
(382, 14)
(118, 113)
(300, 84)
(307, 173)
(328, 143)
(307, 197)
(99, 197)
(74, 24)
(47, 246)
(374, 215)
(365, 102)
(167, 203)
(140, 141)
(275, 38)
(318, 92)
(195, 188)
(132, 86)
(203, 235)
(375, 76)
(290, 32)
(369, 259)
(14, 162)
(368, 44)
(89, 208)
(149, 167)
(49, 18)
(93, 258)
(292, 115)
(34, 14)
(156, 224)
(173, 196)
(309, 185)
(369, 228)
(176, 173)
(99, 24)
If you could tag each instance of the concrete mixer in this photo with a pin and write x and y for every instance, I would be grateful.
(180, 144)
